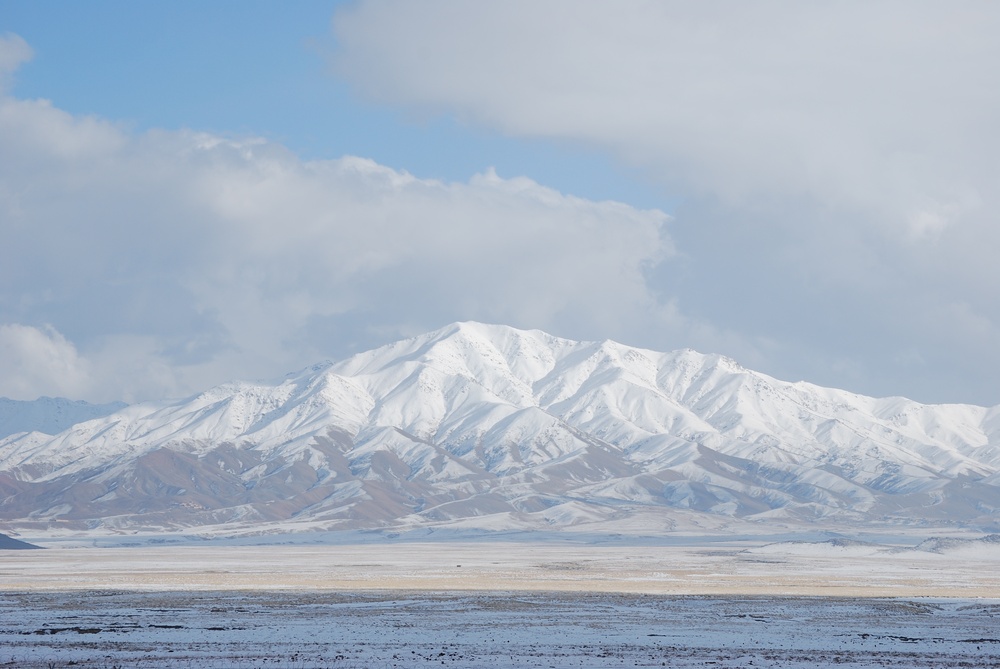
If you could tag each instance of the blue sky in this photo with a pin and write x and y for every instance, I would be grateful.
(809, 189)
(262, 68)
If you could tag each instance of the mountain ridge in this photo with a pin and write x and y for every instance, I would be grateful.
(489, 426)
(49, 415)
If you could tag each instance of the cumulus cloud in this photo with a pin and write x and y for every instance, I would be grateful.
(167, 261)
(837, 164)
(14, 52)
(36, 361)
(836, 169)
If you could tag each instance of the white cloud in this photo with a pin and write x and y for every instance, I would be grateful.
(838, 164)
(36, 361)
(173, 260)
(837, 168)
(14, 52)
(857, 104)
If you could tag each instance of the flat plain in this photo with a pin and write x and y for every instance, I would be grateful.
(500, 604)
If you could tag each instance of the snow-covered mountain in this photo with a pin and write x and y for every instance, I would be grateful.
(485, 426)
(50, 415)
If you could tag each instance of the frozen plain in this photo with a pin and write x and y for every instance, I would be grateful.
(504, 604)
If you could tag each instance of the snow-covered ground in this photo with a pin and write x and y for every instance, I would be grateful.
(306, 629)
(504, 604)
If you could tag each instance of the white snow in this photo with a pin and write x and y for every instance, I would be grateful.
(509, 423)
(548, 603)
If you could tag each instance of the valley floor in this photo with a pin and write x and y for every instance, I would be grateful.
(972, 569)
(309, 629)
(498, 605)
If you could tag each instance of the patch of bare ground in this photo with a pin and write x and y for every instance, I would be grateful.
(507, 567)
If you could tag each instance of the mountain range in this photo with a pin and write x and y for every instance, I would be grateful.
(50, 415)
(489, 427)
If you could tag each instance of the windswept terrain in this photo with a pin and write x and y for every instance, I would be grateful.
(563, 604)
(330, 630)
(486, 427)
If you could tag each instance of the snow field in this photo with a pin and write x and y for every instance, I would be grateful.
(328, 629)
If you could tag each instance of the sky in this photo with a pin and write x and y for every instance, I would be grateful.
(192, 193)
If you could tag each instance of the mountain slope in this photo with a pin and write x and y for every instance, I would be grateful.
(11, 544)
(488, 426)
(50, 415)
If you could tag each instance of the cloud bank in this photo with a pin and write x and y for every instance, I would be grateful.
(837, 169)
(143, 265)
(837, 163)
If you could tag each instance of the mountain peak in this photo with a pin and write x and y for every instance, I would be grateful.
(495, 426)
(311, 370)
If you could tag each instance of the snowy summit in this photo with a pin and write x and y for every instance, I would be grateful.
(489, 427)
